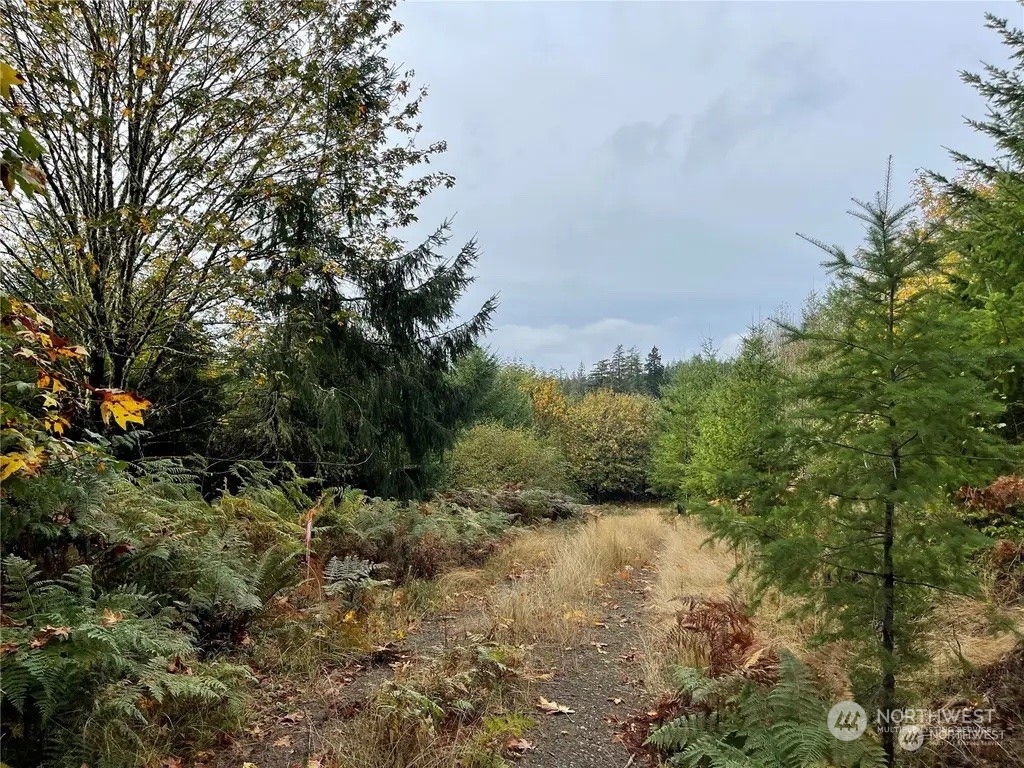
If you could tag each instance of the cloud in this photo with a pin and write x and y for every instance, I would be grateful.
(783, 84)
(643, 142)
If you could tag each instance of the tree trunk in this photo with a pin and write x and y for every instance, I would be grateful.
(888, 634)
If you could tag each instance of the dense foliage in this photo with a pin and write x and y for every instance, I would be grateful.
(490, 455)
(606, 438)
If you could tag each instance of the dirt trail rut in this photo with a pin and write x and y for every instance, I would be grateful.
(600, 681)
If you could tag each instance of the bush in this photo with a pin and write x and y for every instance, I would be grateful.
(524, 506)
(729, 720)
(491, 455)
(606, 439)
(117, 592)
(415, 539)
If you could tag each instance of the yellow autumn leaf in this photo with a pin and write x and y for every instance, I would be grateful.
(122, 407)
(46, 381)
(28, 462)
(8, 77)
(10, 463)
(56, 424)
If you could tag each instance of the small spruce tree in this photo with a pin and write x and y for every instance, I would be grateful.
(895, 417)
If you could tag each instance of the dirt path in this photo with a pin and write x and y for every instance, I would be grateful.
(600, 682)
(575, 599)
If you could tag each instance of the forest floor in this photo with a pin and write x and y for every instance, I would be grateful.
(537, 658)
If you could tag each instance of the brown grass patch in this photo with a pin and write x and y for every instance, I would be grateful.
(555, 604)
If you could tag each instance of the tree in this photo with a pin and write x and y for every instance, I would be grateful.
(632, 372)
(600, 375)
(894, 418)
(982, 213)
(496, 392)
(550, 407)
(606, 440)
(737, 450)
(676, 420)
(654, 373)
(171, 134)
(353, 382)
(617, 369)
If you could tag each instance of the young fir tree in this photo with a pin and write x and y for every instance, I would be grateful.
(739, 452)
(675, 423)
(894, 417)
(984, 228)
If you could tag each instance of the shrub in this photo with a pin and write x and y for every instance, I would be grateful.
(524, 506)
(491, 455)
(114, 590)
(414, 539)
(85, 671)
(730, 720)
(451, 712)
(606, 439)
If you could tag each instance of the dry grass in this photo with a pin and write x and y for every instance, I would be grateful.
(557, 603)
(684, 567)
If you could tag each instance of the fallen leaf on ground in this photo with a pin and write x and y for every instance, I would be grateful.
(284, 741)
(553, 707)
(518, 745)
(292, 717)
(614, 701)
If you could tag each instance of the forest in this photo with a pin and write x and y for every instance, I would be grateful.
(270, 498)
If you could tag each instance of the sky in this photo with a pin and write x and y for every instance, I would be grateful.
(636, 172)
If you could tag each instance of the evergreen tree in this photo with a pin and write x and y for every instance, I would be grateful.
(600, 375)
(984, 231)
(894, 419)
(654, 373)
(351, 378)
(617, 369)
(633, 372)
(675, 426)
(738, 450)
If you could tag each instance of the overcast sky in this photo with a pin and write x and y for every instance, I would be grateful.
(636, 172)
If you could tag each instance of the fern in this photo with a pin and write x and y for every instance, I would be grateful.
(76, 659)
(732, 722)
(350, 577)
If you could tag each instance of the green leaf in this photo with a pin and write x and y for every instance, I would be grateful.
(29, 145)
